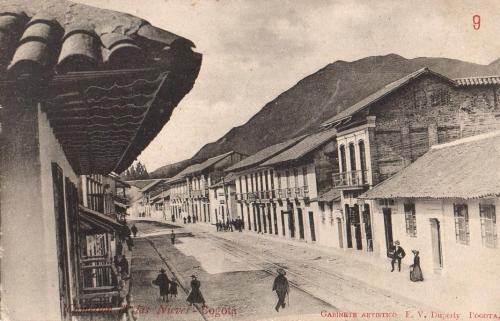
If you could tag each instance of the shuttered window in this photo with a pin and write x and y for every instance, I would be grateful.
(488, 225)
(462, 223)
(411, 220)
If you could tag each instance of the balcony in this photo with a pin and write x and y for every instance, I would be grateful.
(351, 179)
(302, 192)
(100, 284)
(252, 197)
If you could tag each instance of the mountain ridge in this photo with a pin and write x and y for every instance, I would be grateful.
(319, 96)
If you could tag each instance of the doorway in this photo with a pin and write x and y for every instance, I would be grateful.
(388, 229)
(368, 228)
(291, 220)
(259, 222)
(341, 237)
(348, 225)
(311, 226)
(301, 223)
(356, 223)
(437, 252)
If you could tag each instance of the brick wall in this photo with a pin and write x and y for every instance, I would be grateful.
(426, 112)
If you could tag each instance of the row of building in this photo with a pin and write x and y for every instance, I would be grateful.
(416, 161)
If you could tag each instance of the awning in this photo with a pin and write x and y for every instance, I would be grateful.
(99, 221)
(333, 195)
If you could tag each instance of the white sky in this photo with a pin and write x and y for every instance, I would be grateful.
(255, 49)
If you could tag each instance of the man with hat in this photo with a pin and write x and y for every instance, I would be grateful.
(195, 295)
(397, 254)
(162, 281)
(282, 288)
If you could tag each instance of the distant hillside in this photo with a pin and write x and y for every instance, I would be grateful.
(320, 96)
(171, 170)
(328, 91)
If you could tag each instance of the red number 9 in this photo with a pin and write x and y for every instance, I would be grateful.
(476, 21)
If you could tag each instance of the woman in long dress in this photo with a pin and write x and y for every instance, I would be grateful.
(195, 295)
(415, 270)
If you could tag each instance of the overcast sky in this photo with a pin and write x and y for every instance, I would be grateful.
(254, 50)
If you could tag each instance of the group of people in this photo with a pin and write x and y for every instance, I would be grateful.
(169, 287)
(230, 225)
(190, 219)
(397, 253)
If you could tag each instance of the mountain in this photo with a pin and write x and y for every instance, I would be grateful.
(171, 170)
(326, 92)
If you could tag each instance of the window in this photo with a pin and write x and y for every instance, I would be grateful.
(278, 179)
(296, 177)
(304, 175)
(287, 177)
(411, 220)
(343, 164)
(266, 181)
(352, 157)
(488, 225)
(362, 158)
(271, 174)
(95, 197)
(461, 223)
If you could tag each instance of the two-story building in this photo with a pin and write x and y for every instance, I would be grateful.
(140, 195)
(83, 91)
(386, 131)
(222, 199)
(254, 186)
(194, 182)
(444, 206)
(302, 175)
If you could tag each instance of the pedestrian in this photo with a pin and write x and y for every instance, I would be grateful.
(189, 218)
(123, 265)
(184, 220)
(173, 288)
(217, 226)
(195, 295)
(134, 230)
(282, 289)
(397, 254)
(172, 237)
(415, 270)
(162, 282)
(130, 243)
(173, 218)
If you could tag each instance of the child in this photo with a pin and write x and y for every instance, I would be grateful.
(173, 288)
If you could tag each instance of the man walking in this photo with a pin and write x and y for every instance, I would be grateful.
(282, 288)
(134, 230)
(172, 237)
(397, 254)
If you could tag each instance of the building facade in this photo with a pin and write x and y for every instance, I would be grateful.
(388, 130)
(444, 206)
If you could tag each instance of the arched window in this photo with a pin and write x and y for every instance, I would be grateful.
(362, 157)
(342, 159)
(352, 156)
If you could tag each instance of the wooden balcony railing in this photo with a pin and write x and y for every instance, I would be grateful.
(357, 178)
(99, 283)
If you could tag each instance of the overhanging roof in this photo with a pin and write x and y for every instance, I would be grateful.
(466, 169)
(99, 220)
(381, 93)
(107, 81)
(302, 148)
(263, 154)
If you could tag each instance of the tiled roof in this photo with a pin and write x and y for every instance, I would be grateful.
(381, 93)
(109, 81)
(144, 184)
(478, 81)
(57, 36)
(332, 195)
(263, 154)
(467, 168)
(302, 148)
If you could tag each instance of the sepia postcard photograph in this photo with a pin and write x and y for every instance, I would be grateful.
(249, 160)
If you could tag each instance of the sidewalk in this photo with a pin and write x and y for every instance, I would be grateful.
(437, 292)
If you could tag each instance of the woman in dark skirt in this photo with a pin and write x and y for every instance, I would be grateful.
(173, 288)
(415, 270)
(162, 282)
(195, 296)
